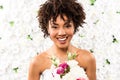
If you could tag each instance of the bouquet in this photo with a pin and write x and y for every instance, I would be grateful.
(68, 70)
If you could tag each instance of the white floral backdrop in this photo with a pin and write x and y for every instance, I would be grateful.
(21, 38)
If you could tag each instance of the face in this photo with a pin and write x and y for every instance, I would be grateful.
(61, 31)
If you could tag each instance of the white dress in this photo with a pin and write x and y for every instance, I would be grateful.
(75, 71)
(46, 75)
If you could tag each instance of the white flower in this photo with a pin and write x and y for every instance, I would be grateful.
(75, 72)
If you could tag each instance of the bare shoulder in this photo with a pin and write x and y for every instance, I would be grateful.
(38, 62)
(37, 66)
(85, 58)
(88, 62)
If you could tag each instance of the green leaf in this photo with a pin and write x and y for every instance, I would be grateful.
(11, 23)
(92, 2)
(102, 12)
(0, 38)
(96, 22)
(71, 55)
(107, 61)
(29, 37)
(91, 51)
(37, 53)
(55, 61)
(81, 35)
(16, 69)
(1, 7)
(118, 12)
(114, 39)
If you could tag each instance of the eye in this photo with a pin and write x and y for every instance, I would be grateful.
(68, 25)
(54, 27)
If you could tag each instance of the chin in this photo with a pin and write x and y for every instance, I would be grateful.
(62, 46)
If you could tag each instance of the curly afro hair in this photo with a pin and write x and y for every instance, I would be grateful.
(52, 8)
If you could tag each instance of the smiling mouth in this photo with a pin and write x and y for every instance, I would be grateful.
(62, 40)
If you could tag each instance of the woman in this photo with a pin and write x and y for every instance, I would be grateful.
(60, 19)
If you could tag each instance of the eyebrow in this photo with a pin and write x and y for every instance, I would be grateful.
(66, 22)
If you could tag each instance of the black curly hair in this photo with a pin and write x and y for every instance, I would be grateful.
(52, 8)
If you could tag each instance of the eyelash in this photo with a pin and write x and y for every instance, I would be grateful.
(54, 27)
(68, 26)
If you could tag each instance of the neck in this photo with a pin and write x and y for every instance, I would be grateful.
(60, 52)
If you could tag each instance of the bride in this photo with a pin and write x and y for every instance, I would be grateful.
(60, 20)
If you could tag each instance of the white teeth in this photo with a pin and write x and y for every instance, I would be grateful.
(62, 39)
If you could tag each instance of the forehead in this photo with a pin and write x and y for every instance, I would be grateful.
(60, 19)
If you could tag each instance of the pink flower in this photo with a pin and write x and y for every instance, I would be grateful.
(80, 78)
(64, 65)
(60, 70)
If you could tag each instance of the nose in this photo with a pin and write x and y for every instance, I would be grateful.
(62, 32)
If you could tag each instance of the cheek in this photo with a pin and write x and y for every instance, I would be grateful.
(71, 31)
(52, 34)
